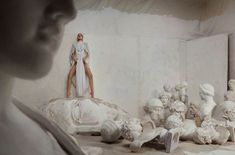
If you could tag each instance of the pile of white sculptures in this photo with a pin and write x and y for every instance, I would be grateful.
(168, 118)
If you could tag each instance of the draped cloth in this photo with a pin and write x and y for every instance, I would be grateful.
(82, 54)
(66, 142)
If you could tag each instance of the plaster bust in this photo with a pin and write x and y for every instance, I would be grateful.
(206, 92)
(230, 95)
(177, 117)
(154, 109)
(182, 92)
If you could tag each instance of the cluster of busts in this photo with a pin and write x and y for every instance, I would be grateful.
(170, 117)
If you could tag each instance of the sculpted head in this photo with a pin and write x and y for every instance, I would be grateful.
(155, 109)
(182, 87)
(231, 84)
(165, 98)
(228, 110)
(206, 90)
(167, 87)
(110, 131)
(131, 129)
(179, 109)
(202, 136)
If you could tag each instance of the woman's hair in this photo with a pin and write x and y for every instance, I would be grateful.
(80, 35)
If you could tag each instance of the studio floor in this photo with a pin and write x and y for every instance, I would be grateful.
(184, 148)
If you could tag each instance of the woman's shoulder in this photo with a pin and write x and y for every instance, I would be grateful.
(50, 127)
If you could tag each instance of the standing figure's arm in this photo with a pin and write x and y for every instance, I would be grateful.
(73, 57)
(87, 54)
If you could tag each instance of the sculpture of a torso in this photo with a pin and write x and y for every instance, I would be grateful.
(82, 114)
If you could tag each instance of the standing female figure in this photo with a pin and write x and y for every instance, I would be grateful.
(79, 60)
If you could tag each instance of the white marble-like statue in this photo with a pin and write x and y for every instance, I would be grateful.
(166, 97)
(225, 116)
(129, 129)
(177, 120)
(136, 131)
(208, 129)
(211, 132)
(82, 114)
(155, 112)
(230, 95)
(167, 88)
(177, 117)
(181, 93)
(207, 105)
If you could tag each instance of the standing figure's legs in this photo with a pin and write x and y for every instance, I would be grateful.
(90, 77)
(72, 72)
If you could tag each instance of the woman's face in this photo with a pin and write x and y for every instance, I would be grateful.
(30, 34)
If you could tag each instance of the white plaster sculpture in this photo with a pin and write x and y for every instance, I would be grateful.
(209, 130)
(133, 129)
(177, 117)
(166, 97)
(181, 90)
(155, 112)
(205, 131)
(230, 95)
(129, 129)
(225, 116)
(177, 120)
(207, 105)
(110, 131)
(82, 114)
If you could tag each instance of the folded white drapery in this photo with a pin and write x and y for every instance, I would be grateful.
(82, 54)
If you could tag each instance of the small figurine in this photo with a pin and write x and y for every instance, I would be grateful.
(230, 95)
(182, 92)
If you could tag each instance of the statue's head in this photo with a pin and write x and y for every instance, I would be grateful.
(228, 110)
(173, 121)
(179, 109)
(110, 131)
(206, 90)
(154, 108)
(131, 129)
(231, 84)
(202, 136)
(167, 87)
(182, 86)
(165, 98)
